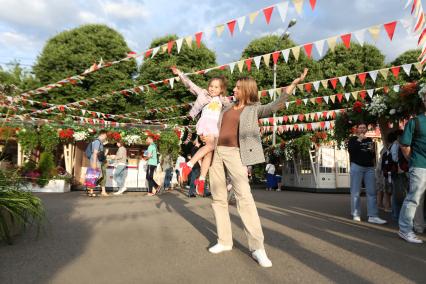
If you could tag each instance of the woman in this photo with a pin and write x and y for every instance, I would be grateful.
(270, 176)
(120, 168)
(239, 146)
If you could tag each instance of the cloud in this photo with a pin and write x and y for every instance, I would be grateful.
(125, 9)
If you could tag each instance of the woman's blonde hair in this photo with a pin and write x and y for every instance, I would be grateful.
(248, 91)
(223, 84)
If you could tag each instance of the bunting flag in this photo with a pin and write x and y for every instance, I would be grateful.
(417, 26)
(299, 127)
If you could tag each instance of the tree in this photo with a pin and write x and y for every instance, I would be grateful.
(17, 76)
(71, 52)
(158, 68)
(409, 56)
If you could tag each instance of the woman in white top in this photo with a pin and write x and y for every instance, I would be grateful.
(120, 167)
(270, 176)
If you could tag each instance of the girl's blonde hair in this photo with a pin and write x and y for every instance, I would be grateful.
(248, 91)
(223, 84)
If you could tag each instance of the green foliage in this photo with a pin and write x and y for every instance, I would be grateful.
(45, 167)
(29, 139)
(16, 75)
(71, 52)
(168, 144)
(48, 138)
(18, 208)
(303, 144)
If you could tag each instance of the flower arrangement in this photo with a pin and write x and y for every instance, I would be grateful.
(66, 135)
(378, 106)
(154, 136)
(113, 136)
(319, 137)
(80, 135)
(132, 139)
(358, 106)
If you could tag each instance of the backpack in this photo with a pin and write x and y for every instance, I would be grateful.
(402, 161)
(89, 152)
(388, 164)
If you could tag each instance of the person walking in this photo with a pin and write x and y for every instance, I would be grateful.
(96, 155)
(270, 176)
(151, 154)
(362, 156)
(195, 172)
(413, 147)
(166, 165)
(238, 146)
(120, 172)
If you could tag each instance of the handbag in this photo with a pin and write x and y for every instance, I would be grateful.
(92, 176)
(159, 175)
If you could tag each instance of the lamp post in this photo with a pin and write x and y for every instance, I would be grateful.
(284, 36)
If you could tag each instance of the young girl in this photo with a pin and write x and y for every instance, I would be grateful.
(210, 103)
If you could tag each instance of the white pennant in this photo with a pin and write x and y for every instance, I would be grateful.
(287, 104)
(241, 21)
(271, 93)
(316, 85)
(373, 75)
(407, 68)
(347, 96)
(396, 88)
(326, 99)
(179, 44)
(154, 51)
(319, 45)
(305, 101)
(370, 92)
(83, 111)
(171, 81)
(257, 61)
(360, 35)
(286, 53)
(342, 80)
(327, 125)
(282, 10)
(232, 66)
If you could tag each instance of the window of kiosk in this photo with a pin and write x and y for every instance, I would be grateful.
(326, 160)
(305, 166)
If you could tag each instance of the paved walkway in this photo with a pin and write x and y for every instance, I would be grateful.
(140, 239)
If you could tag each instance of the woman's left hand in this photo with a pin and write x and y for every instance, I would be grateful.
(302, 77)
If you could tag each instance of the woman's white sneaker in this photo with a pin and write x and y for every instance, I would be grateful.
(376, 220)
(261, 257)
(218, 248)
(410, 237)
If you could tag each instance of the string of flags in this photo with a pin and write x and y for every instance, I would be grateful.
(417, 25)
(281, 8)
(299, 127)
(313, 116)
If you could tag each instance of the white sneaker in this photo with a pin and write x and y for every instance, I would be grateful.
(376, 220)
(218, 248)
(410, 237)
(261, 257)
(356, 218)
(120, 191)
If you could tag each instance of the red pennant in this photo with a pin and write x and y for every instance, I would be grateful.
(61, 108)
(170, 46)
(148, 53)
(309, 126)
(271, 121)
(333, 82)
(395, 71)
(313, 3)
(333, 114)
(222, 67)
(198, 37)
(315, 117)
(268, 13)
(153, 86)
(308, 87)
(201, 72)
(339, 97)
(346, 40)
(362, 77)
(231, 26)
(390, 29)
(166, 81)
(421, 36)
(324, 114)
(308, 49)
(420, 21)
(296, 126)
(285, 118)
(298, 102)
(322, 123)
(275, 56)
(363, 94)
(301, 117)
(318, 100)
(124, 92)
(264, 94)
(248, 63)
(414, 6)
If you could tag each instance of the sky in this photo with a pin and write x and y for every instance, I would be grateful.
(26, 25)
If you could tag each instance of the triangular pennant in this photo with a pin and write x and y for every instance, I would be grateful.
(282, 10)
(355, 95)
(155, 51)
(266, 59)
(188, 41)
(375, 32)
(271, 93)
(395, 71)
(312, 100)
(231, 66)
(296, 51)
(179, 44)
(164, 47)
(240, 65)
(308, 87)
(361, 77)
(300, 87)
(286, 54)
(384, 72)
(319, 45)
(253, 16)
(298, 5)
(390, 28)
(313, 3)
(316, 85)
(241, 21)
(257, 61)
(170, 46)
(268, 12)
(347, 96)
(333, 82)
(248, 64)
(352, 78)
(231, 26)
(373, 75)
(346, 40)
(308, 49)
(342, 80)
(339, 97)
(333, 98)
(198, 37)
(220, 29)
(360, 36)
(370, 92)
(171, 82)
(305, 101)
(275, 56)
(324, 83)
(332, 43)
(419, 67)
(326, 99)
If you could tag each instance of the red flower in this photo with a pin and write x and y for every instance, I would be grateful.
(114, 136)
(66, 134)
(358, 106)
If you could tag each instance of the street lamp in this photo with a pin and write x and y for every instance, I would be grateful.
(284, 36)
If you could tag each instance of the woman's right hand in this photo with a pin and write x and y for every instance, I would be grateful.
(175, 70)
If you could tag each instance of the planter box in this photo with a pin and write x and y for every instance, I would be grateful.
(55, 185)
